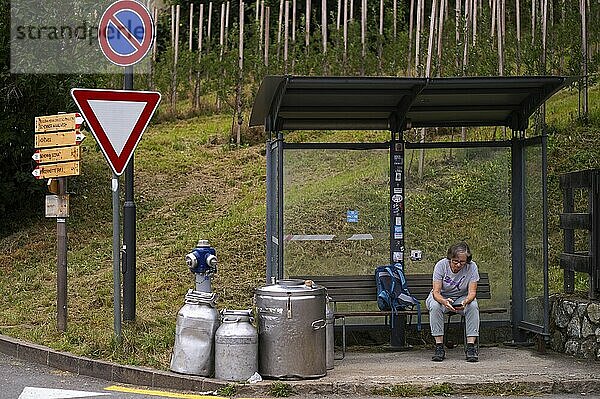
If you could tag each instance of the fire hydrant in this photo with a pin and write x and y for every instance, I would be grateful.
(202, 261)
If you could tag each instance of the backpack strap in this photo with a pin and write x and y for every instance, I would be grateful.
(405, 293)
(393, 309)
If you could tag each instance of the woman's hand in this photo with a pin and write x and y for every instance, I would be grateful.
(448, 304)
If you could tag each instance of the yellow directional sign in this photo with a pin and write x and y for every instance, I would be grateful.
(56, 123)
(57, 154)
(56, 170)
(55, 139)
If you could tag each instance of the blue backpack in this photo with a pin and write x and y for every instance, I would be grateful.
(393, 293)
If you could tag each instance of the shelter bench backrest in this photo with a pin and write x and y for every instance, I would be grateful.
(363, 288)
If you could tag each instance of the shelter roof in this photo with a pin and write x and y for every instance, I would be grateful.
(389, 103)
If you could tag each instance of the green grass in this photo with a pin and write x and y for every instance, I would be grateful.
(191, 184)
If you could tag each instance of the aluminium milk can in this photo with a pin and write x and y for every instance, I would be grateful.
(197, 322)
(291, 330)
(236, 346)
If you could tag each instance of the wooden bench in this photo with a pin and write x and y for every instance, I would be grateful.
(362, 288)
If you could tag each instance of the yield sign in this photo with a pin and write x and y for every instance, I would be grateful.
(117, 118)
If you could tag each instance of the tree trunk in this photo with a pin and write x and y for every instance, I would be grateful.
(432, 23)
(518, 17)
(457, 14)
(410, 36)
(285, 36)
(324, 25)
(363, 31)
(209, 25)
(584, 57)
(175, 60)
(191, 26)
(532, 22)
(308, 17)
(474, 22)
(294, 7)
(465, 39)
(267, 36)
(380, 39)
(440, 37)
(279, 25)
(345, 33)
(238, 103)
(499, 32)
(418, 36)
(395, 14)
(200, 38)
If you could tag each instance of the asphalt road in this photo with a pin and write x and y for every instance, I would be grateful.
(24, 380)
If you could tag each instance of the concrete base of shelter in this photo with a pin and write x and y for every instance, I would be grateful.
(501, 370)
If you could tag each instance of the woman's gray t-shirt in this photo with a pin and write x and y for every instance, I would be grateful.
(455, 285)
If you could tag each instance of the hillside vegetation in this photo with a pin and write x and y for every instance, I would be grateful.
(191, 184)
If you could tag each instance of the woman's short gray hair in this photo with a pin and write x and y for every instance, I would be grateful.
(460, 248)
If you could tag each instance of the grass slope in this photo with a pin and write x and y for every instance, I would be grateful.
(191, 184)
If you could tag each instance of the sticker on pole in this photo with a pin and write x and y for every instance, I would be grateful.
(125, 32)
(117, 118)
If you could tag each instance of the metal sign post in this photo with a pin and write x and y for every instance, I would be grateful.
(61, 274)
(126, 34)
(57, 155)
(116, 257)
(129, 228)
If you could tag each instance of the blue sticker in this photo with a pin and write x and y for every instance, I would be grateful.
(352, 216)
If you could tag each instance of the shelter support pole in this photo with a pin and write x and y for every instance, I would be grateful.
(545, 229)
(396, 200)
(398, 323)
(280, 242)
(271, 207)
(518, 235)
(594, 240)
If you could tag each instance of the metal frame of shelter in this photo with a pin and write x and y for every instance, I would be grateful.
(285, 103)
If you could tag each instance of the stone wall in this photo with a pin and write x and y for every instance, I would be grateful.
(575, 326)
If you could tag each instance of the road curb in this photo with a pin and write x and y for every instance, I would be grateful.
(159, 379)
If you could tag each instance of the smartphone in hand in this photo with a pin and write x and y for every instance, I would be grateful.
(458, 305)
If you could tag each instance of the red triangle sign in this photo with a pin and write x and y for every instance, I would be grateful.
(117, 118)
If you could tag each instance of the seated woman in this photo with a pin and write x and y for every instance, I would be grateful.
(454, 289)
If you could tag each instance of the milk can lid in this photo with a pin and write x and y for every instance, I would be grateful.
(292, 287)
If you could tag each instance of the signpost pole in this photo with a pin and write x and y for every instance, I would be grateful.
(116, 257)
(61, 250)
(129, 228)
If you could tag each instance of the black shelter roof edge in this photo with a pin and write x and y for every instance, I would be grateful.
(286, 102)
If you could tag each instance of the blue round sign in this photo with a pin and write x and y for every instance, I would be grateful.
(126, 32)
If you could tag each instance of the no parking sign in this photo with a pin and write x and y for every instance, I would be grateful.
(125, 32)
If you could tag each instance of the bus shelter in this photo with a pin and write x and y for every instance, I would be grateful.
(298, 103)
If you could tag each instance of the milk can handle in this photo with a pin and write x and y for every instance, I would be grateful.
(318, 324)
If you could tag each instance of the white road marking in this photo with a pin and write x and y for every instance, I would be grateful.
(47, 393)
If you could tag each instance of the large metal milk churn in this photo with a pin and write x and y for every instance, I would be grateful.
(236, 346)
(197, 323)
(291, 329)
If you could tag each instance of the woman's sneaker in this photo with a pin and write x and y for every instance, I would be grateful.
(471, 352)
(439, 354)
